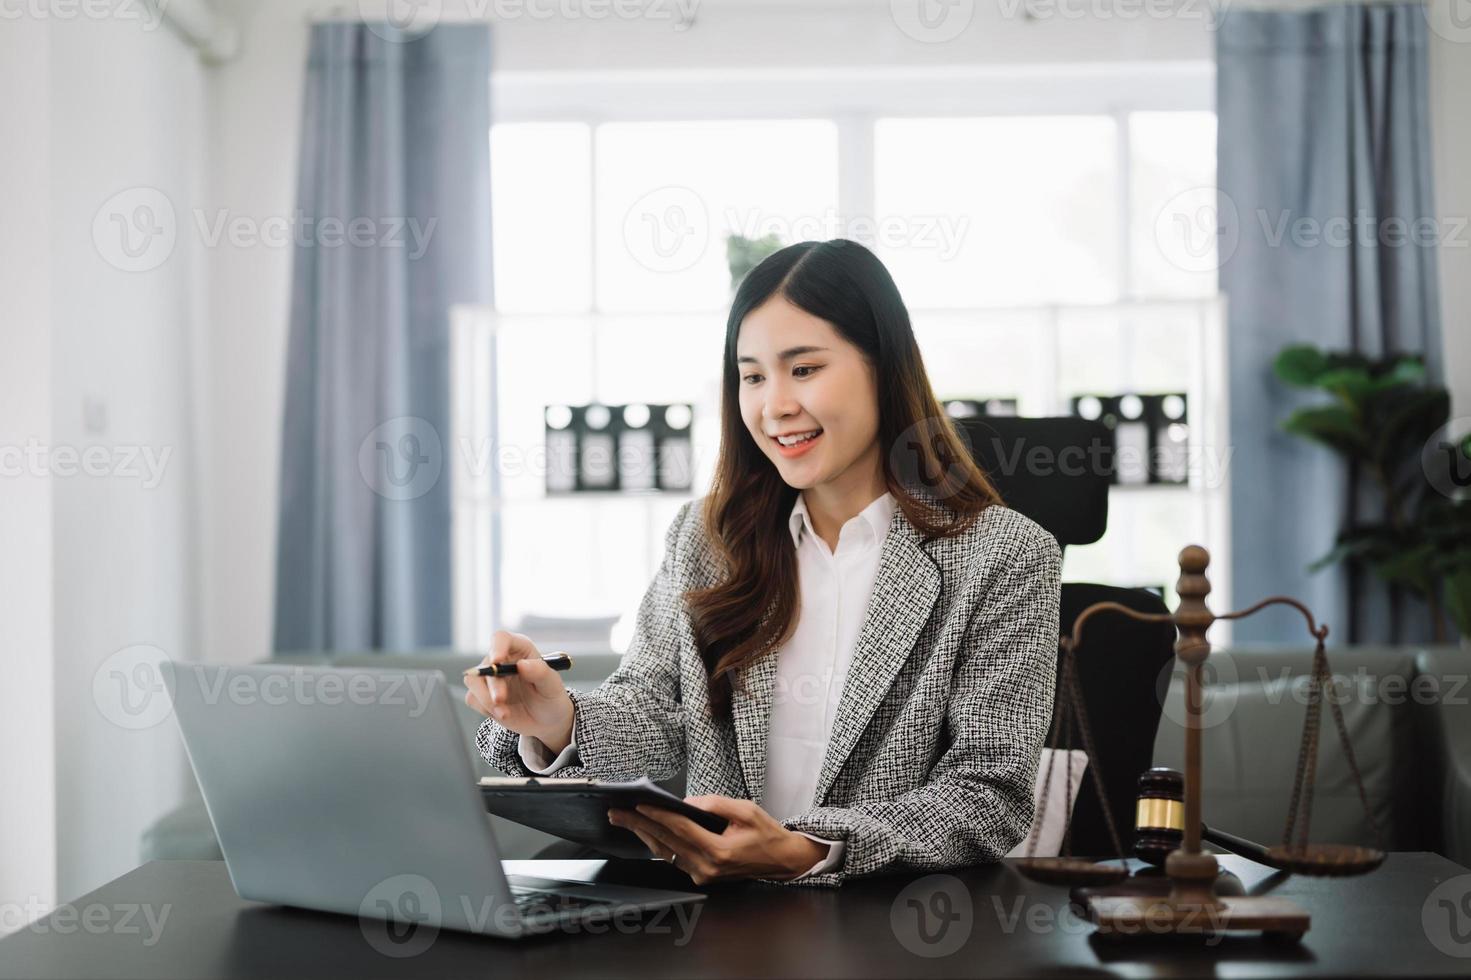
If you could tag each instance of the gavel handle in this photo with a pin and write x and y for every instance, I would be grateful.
(1237, 845)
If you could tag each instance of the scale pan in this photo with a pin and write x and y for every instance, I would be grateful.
(1326, 860)
(1070, 871)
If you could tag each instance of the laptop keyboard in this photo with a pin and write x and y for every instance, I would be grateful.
(538, 903)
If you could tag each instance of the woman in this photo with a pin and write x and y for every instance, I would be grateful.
(849, 647)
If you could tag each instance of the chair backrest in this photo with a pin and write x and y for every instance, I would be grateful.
(1054, 470)
(1122, 669)
(1057, 471)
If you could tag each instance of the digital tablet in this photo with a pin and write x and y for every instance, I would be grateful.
(577, 809)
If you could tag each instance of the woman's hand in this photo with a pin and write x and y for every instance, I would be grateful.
(533, 701)
(753, 846)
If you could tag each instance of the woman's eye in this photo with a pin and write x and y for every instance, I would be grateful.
(751, 378)
(801, 368)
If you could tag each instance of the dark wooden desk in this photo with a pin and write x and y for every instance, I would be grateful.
(1361, 927)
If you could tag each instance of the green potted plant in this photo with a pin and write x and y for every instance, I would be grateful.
(1382, 416)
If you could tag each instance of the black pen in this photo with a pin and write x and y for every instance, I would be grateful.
(556, 661)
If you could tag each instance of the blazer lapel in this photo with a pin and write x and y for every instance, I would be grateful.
(752, 714)
(904, 593)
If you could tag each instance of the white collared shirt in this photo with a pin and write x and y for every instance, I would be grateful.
(835, 587)
(834, 594)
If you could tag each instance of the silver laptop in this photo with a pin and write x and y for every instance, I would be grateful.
(352, 791)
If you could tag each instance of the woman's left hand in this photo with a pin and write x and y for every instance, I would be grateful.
(753, 846)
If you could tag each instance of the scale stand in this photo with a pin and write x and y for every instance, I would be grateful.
(1192, 905)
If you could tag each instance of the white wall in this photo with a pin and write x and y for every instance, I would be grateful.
(253, 138)
(98, 361)
(847, 33)
(27, 771)
(128, 116)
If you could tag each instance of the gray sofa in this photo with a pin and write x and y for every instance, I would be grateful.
(1408, 714)
(1409, 720)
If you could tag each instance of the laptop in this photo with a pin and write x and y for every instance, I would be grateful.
(352, 791)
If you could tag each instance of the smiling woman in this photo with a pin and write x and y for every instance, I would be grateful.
(818, 347)
(850, 645)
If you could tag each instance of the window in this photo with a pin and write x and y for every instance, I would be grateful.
(668, 195)
(541, 207)
(1172, 183)
(1030, 204)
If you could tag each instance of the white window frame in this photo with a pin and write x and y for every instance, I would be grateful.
(854, 99)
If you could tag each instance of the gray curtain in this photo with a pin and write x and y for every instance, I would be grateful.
(393, 227)
(1323, 115)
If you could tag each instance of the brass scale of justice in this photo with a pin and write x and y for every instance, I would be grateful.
(1192, 904)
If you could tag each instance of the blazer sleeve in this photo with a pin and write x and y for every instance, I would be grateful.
(633, 724)
(977, 804)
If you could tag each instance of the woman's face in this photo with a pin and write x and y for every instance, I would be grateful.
(799, 377)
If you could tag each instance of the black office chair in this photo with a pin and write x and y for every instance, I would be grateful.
(1057, 472)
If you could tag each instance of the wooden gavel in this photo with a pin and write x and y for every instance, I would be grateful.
(1159, 822)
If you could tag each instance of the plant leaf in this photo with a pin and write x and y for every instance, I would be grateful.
(1406, 370)
(1458, 595)
(1332, 425)
(1411, 423)
(1361, 543)
(1349, 383)
(1409, 566)
(1300, 365)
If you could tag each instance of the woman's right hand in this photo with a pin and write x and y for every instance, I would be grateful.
(533, 701)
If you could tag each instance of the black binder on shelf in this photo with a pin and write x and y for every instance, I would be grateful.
(577, 809)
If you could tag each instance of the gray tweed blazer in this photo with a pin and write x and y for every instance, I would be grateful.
(933, 754)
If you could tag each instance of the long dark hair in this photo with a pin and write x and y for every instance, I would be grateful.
(927, 466)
